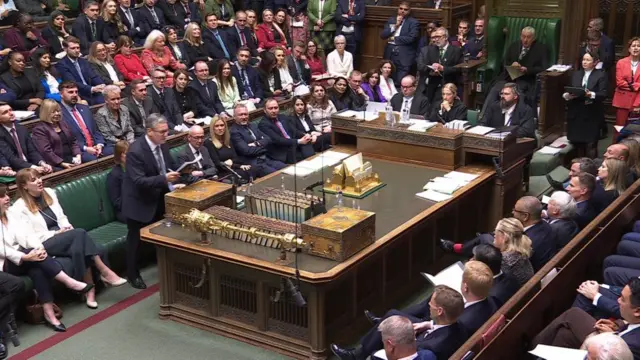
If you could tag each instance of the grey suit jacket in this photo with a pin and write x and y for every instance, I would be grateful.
(135, 117)
(208, 167)
(112, 129)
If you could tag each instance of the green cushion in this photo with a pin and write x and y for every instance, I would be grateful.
(81, 203)
(542, 164)
(28, 283)
(110, 235)
(100, 183)
(472, 117)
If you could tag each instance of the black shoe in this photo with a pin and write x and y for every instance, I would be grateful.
(85, 290)
(3, 351)
(446, 245)
(138, 283)
(56, 328)
(13, 336)
(556, 185)
(341, 353)
(374, 320)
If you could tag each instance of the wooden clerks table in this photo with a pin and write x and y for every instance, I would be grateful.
(229, 286)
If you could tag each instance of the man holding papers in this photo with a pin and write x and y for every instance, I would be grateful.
(511, 111)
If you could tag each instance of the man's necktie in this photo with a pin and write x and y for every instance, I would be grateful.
(155, 16)
(186, 10)
(523, 53)
(243, 39)
(94, 32)
(441, 54)
(130, 17)
(77, 66)
(224, 48)
(83, 128)
(197, 153)
(17, 143)
(206, 87)
(142, 113)
(282, 130)
(295, 61)
(158, 155)
(245, 82)
(406, 105)
(253, 136)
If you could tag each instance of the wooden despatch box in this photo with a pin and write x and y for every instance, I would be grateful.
(340, 233)
(200, 195)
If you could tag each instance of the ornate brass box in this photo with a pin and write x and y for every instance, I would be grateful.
(200, 195)
(340, 233)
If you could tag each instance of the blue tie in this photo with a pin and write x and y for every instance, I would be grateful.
(245, 82)
(77, 66)
(224, 48)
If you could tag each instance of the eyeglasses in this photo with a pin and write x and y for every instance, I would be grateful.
(407, 87)
(520, 211)
(160, 77)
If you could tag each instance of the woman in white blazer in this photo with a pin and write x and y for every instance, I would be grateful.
(387, 87)
(20, 256)
(41, 212)
(340, 61)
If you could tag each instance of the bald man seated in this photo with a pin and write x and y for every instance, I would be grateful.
(203, 168)
(416, 102)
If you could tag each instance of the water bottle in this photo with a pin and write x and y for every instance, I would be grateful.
(340, 200)
(479, 82)
(389, 114)
(250, 185)
(282, 182)
(405, 116)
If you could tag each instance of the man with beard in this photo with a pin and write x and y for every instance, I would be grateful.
(511, 112)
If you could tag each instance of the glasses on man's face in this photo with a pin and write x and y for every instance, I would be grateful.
(160, 77)
(436, 37)
(404, 9)
(520, 211)
(201, 137)
(161, 132)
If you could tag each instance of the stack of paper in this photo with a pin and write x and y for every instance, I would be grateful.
(548, 150)
(480, 130)
(456, 124)
(433, 196)
(23, 114)
(360, 115)
(562, 141)
(498, 135)
(298, 170)
(442, 188)
(460, 176)
(420, 125)
(445, 187)
(307, 167)
(333, 157)
(559, 68)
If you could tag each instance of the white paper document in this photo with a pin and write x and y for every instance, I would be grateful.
(558, 353)
(443, 187)
(187, 163)
(480, 130)
(548, 150)
(433, 196)
(361, 115)
(298, 170)
(560, 142)
(559, 68)
(617, 127)
(450, 276)
(456, 124)
(23, 114)
(420, 125)
(457, 175)
(373, 106)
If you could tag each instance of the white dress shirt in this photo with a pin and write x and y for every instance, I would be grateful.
(387, 88)
(406, 102)
(396, 32)
(112, 72)
(196, 153)
(508, 114)
(629, 328)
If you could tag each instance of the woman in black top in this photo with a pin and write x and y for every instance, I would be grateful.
(25, 83)
(613, 176)
(269, 76)
(449, 108)
(176, 47)
(115, 177)
(301, 119)
(184, 96)
(224, 156)
(194, 46)
(113, 25)
(280, 18)
(339, 95)
(56, 32)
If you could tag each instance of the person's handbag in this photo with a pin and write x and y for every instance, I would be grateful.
(34, 313)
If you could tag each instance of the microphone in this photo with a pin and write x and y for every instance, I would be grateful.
(496, 165)
(292, 289)
(314, 185)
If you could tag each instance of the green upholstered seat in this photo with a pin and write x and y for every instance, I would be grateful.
(110, 235)
(547, 32)
(543, 164)
(472, 117)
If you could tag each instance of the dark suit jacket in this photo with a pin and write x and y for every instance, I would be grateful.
(82, 30)
(208, 167)
(49, 143)
(543, 244)
(263, 76)
(249, 37)
(444, 341)
(173, 14)
(168, 106)
(207, 104)
(632, 338)
(431, 54)
(280, 147)
(584, 115)
(23, 95)
(137, 30)
(563, 231)
(419, 105)
(192, 54)
(10, 152)
(585, 212)
(522, 117)
(14, 38)
(87, 116)
(503, 288)
(144, 186)
(114, 190)
(535, 61)
(51, 37)
(254, 81)
(102, 72)
(475, 315)
(357, 19)
(406, 42)
(136, 116)
(458, 112)
(241, 138)
(216, 49)
(68, 72)
(473, 46)
(147, 18)
(184, 59)
(304, 68)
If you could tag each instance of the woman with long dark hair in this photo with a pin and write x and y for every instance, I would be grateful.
(49, 77)
(321, 136)
(269, 77)
(184, 96)
(227, 86)
(56, 32)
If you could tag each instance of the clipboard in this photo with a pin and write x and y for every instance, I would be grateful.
(577, 91)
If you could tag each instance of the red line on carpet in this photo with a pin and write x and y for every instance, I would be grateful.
(86, 323)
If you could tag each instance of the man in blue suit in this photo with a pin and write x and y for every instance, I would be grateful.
(221, 43)
(152, 17)
(599, 300)
(399, 340)
(247, 77)
(251, 144)
(402, 34)
(76, 69)
(136, 29)
(349, 18)
(79, 119)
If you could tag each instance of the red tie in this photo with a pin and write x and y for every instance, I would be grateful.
(83, 127)
(244, 40)
(282, 130)
(17, 143)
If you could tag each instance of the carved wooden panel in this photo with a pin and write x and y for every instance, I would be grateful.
(192, 286)
(238, 299)
(287, 318)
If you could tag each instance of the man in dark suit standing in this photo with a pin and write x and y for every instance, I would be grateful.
(298, 67)
(16, 145)
(243, 35)
(561, 210)
(204, 169)
(605, 43)
(151, 16)
(148, 176)
(251, 144)
(79, 119)
(409, 98)
(139, 106)
(402, 33)
(163, 102)
(399, 340)
(130, 17)
(207, 101)
(437, 65)
(89, 27)
(288, 144)
(247, 78)
(76, 69)
(349, 17)
(442, 333)
(511, 111)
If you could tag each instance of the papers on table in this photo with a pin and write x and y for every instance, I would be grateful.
(23, 114)
(514, 72)
(560, 142)
(460, 176)
(558, 353)
(332, 154)
(373, 106)
(456, 124)
(548, 150)
(559, 68)
(442, 188)
(308, 167)
(361, 115)
(181, 128)
(450, 276)
(420, 125)
(480, 130)
(499, 135)
(433, 196)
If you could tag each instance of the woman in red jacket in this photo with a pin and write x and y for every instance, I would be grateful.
(127, 62)
(269, 33)
(626, 98)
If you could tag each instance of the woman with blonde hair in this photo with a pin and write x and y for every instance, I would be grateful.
(223, 154)
(53, 138)
(516, 248)
(450, 107)
(42, 214)
(113, 25)
(286, 80)
(613, 176)
(194, 46)
(157, 54)
(102, 63)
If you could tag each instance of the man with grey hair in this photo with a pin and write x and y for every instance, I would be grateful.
(203, 168)
(511, 112)
(607, 346)
(148, 177)
(399, 340)
(437, 65)
(113, 118)
(561, 210)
